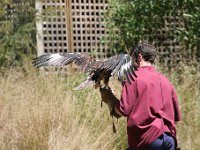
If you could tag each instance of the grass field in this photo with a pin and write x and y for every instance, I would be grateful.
(40, 111)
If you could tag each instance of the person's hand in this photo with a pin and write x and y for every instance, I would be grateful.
(106, 94)
(108, 97)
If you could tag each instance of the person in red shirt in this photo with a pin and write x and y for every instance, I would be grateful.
(149, 102)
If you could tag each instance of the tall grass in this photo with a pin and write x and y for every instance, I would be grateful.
(40, 111)
(187, 82)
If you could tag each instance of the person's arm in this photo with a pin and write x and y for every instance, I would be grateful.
(121, 107)
(117, 111)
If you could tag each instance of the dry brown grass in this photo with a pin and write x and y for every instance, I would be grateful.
(186, 80)
(188, 89)
(42, 112)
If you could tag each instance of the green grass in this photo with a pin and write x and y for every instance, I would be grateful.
(40, 111)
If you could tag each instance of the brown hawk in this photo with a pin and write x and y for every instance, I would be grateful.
(121, 65)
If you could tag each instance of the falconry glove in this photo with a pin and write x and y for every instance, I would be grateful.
(109, 98)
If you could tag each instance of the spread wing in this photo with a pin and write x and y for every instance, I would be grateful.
(85, 62)
(120, 65)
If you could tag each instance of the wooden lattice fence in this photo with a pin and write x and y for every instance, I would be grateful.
(78, 26)
(168, 47)
(72, 26)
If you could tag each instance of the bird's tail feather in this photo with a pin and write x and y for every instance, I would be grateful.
(88, 82)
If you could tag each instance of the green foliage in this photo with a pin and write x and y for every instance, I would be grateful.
(190, 33)
(17, 31)
(135, 20)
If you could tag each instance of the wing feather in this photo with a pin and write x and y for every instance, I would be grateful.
(85, 62)
(120, 65)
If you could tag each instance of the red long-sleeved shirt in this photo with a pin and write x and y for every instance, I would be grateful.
(151, 106)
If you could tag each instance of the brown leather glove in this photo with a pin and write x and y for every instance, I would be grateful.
(106, 94)
(109, 98)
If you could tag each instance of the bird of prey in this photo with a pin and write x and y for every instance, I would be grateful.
(120, 65)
